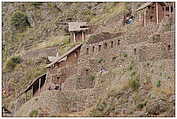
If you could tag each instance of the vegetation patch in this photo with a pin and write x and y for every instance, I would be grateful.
(125, 55)
(91, 77)
(33, 113)
(134, 84)
(36, 4)
(11, 63)
(158, 83)
(19, 20)
(133, 74)
(130, 67)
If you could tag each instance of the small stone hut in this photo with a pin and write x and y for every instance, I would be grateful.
(77, 31)
(154, 12)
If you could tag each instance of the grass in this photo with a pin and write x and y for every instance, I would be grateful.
(19, 20)
(125, 55)
(36, 4)
(134, 84)
(11, 63)
(52, 42)
(134, 81)
(29, 72)
(34, 72)
(111, 11)
(33, 113)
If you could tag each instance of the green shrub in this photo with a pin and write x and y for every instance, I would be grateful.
(134, 84)
(12, 62)
(125, 55)
(130, 68)
(33, 113)
(91, 77)
(66, 40)
(133, 74)
(158, 84)
(19, 20)
(140, 106)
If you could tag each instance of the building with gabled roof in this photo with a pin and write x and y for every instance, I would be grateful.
(65, 56)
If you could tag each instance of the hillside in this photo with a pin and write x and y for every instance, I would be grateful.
(43, 37)
(32, 31)
(113, 95)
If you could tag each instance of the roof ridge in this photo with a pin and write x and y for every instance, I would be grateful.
(65, 54)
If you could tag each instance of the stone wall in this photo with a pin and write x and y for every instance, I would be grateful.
(114, 52)
(110, 53)
(58, 76)
(161, 47)
(158, 70)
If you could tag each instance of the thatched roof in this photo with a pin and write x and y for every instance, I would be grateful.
(64, 55)
(148, 4)
(77, 26)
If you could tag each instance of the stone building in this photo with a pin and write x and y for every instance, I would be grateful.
(62, 68)
(106, 51)
(154, 12)
(103, 51)
(77, 31)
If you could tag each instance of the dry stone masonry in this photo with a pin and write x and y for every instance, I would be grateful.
(76, 69)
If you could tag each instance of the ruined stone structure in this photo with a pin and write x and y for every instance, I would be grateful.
(85, 60)
(154, 12)
(77, 31)
(62, 68)
(76, 68)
